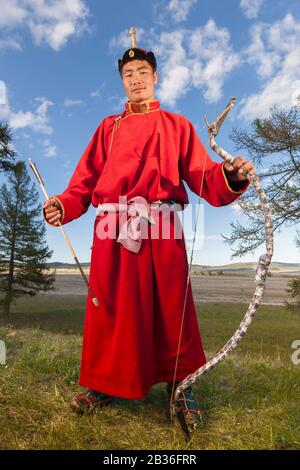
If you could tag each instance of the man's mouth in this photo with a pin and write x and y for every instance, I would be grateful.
(138, 89)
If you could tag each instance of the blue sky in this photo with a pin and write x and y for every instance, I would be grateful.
(59, 79)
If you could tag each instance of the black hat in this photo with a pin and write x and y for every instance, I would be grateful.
(136, 53)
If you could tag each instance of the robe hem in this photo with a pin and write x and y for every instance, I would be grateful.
(127, 393)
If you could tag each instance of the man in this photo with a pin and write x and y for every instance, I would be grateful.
(130, 341)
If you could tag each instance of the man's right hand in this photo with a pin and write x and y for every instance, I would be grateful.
(53, 211)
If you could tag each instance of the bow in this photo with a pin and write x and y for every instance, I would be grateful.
(260, 278)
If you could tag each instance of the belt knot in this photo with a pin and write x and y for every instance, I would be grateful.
(139, 212)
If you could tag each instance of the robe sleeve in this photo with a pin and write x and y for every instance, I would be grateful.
(75, 200)
(216, 189)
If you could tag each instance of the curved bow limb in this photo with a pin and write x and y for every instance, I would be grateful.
(260, 275)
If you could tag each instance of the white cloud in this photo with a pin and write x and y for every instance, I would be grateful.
(10, 43)
(275, 53)
(259, 54)
(50, 149)
(179, 9)
(13, 13)
(194, 58)
(37, 120)
(251, 8)
(175, 11)
(98, 93)
(50, 22)
(175, 84)
(4, 107)
(271, 43)
(278, 91)
(213, 59)
(174, 67)
(95, 94)
(2, 93)
(69, 103)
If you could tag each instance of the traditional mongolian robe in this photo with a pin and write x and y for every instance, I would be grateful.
(130, 341)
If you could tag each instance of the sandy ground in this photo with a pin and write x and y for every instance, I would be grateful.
(226, 288)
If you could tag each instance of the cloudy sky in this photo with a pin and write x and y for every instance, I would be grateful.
(59, 79)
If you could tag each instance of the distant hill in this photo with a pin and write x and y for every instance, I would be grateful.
(276, 267)
(59, 265)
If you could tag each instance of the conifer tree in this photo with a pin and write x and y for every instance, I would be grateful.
(23, 250)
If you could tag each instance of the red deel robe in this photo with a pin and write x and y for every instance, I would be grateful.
(130, 341)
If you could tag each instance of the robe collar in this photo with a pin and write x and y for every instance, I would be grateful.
(150, 106)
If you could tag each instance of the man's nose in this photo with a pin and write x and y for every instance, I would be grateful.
(136, 79)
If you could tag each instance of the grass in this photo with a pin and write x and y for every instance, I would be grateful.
(250, 401)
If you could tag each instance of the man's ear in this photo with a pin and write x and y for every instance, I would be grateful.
(155, 77)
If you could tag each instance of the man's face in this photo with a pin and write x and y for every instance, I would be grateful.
(139, 80)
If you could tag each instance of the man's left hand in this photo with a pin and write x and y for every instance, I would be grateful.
(238, 171)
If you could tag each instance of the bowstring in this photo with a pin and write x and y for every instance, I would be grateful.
(189, 272)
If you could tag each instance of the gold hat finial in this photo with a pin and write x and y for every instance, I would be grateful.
(132, 33)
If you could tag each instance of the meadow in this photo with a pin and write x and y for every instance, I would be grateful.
(250, 401)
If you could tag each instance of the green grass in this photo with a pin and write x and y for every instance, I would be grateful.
(250, 401)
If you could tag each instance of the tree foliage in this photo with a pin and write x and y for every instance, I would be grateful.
(294, 292)
(7, 154)
(277, 137)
